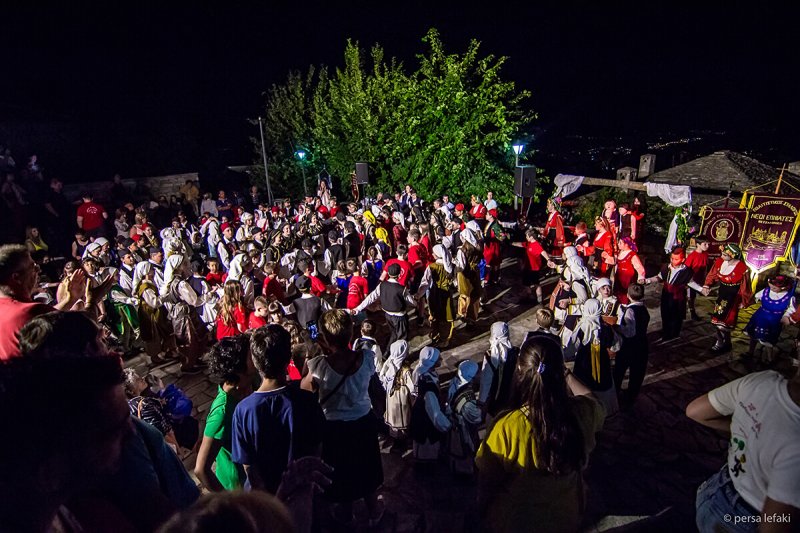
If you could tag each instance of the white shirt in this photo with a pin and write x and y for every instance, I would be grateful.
(351, 401)
(490, 204)
(764, 451)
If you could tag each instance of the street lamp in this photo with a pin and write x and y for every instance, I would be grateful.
(301, 155)
(517, 150)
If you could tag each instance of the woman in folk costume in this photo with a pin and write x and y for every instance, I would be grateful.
(241, 265)
(395, 377)
(591, 342)
(468, 277)
(575, 283)
(190, 333)
(764, 326)
(478, 210)
(462, 407)
(383, 244)
(493, 237)
(554, 228)
(155, 329)
(429, 424)
(734, 293)
(611, 214)
(436, 281)
(629, 269)
(498, 370)
(399, 231)
(603, 248)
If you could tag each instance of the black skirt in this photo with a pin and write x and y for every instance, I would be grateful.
(351, 448)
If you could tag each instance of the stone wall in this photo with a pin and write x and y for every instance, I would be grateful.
(140, 188)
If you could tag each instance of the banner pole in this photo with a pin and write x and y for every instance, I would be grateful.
(780, 178)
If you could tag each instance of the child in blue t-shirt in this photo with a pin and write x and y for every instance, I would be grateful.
(279, 422)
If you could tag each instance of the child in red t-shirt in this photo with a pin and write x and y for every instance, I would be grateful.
(215, 276)
(258, 317)
(358, 288)
(697, 261)
(532, 263)
(232, 316)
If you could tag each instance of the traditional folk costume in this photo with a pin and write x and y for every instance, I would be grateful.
(602, 249)
(734, 291)
(697, 261)
(395, 376)
(429, 425)
(497, 372)
(764, 326)
(468, 277)
(493, 236)
(629, 269)
(462, 407)
(554, 231)
(437, 280)
(677, 279)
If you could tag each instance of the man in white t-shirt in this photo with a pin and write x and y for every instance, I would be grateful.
(759, 487)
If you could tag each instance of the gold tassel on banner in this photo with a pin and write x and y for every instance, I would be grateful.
(743, 203)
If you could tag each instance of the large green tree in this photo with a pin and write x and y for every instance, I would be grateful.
(446, 127)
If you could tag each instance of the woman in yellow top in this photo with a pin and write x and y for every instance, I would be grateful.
(531, 463)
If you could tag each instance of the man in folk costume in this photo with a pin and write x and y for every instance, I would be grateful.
(554, 228)
(764, 326)
(627, 223)
(734, 293)
(493, 236)
(436, 281)
(697, 261)
(629, 269)
(677, 279)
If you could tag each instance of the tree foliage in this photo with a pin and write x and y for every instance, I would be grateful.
(446, 127)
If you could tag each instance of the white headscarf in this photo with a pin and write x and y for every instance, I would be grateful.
(576, 267)
(141, 271)
(444, 254)
(469, 236)
(601, 282)
(91, 247)
(101, 241)
(398, 352)
(427, 360)
(236, 267)
(474, 226)
(246, 216)
(467, 370)
(499, 343)
(173, 245)
(172, 271)
(589, 323)
(399, 218)
(168, 233)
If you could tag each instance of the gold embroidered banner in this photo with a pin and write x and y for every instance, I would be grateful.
(769, 231)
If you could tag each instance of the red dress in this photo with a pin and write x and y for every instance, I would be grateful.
(491, 244)
(624, 276)
(603, 242)
(734, 290)
(554, 230)
(478, 212)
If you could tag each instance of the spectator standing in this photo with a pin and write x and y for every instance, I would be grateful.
(91, 216)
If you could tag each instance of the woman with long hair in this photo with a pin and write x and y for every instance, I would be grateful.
(232, 316)
(531, 464)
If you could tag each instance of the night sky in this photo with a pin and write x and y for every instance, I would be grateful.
(148, 90)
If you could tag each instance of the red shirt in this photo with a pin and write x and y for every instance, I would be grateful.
(478, 211)
(698, 262)
(215, 278)
(417, 252)
(318, 287)
(357, 291)
(92, 214)
(534, 251)
(224, 330)
(13, 315)
(273, 287)
(255, 321)
(292, 372)
(405, 270)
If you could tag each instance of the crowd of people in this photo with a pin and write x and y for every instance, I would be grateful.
(285, 306)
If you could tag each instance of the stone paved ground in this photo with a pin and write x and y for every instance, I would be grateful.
(648, 462)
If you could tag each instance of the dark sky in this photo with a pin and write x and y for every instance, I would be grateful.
(151, 89)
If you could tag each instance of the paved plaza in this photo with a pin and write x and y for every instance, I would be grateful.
(649, 459)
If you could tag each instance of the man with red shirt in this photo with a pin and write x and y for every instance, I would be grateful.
(532, 263)
(91, 216)
(19, 275)
(405, 266)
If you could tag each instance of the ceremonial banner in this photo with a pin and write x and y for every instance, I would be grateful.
(769, 230)
(722, 226)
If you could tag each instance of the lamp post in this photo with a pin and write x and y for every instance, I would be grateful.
(517, 150)
(301, 155)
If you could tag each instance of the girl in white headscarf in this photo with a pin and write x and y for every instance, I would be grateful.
(428, 423)
(437, 281)
(498, 369)
(462, 407)
(395, 377)
(590, 343)
(155, 329)
(574, 285)
(190, 334)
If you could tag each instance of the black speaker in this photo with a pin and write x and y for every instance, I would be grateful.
(362, 173)
(525, 181)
